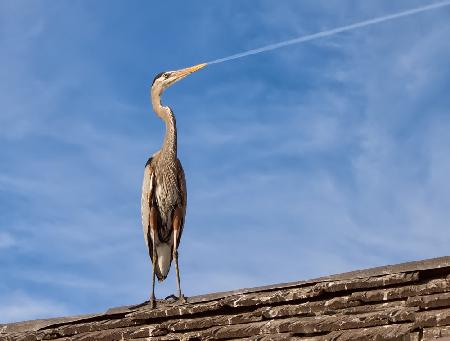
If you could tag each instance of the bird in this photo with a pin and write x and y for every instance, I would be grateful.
(164, 194)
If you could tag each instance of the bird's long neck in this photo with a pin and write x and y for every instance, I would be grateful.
(169, 147)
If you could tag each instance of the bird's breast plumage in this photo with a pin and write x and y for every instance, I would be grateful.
(168, 197)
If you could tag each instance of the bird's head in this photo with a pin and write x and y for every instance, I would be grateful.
(165, 79)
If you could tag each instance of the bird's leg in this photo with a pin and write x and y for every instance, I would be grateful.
(153, 222)
(152, 298)
(177, 269)
(176, 228)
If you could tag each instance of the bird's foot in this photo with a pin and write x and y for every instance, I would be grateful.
(152, 302)
(180, 300)
(171, 298)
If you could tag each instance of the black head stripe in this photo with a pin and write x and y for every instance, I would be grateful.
(157, 76)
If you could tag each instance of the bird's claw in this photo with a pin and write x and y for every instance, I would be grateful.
(182, 299)
(179, 299)
(152, 303)
(171, 298)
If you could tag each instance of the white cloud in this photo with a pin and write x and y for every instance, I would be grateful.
(19, 306)
(6, 240)
(393, 188)
(60, 279)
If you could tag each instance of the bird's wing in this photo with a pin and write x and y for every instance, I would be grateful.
(148, 186)
(182, 187)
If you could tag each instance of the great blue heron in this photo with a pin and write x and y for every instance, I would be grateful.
(163, 203)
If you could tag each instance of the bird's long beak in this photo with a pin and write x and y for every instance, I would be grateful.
(180, 74)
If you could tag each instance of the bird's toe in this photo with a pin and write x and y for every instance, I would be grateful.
(182, 299)
(171, 298)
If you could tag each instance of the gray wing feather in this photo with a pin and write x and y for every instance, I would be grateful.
(146, 200)
(182, 186)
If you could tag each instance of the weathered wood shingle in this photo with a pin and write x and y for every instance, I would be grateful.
(408, 301)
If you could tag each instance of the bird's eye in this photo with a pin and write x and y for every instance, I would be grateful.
(166, 75)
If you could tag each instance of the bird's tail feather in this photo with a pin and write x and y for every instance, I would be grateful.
(164, 252)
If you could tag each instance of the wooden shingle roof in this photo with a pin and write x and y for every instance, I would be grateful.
(409, 301)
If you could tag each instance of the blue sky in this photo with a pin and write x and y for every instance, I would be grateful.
(309, 160)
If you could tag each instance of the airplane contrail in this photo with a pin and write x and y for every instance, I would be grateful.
(331, 32)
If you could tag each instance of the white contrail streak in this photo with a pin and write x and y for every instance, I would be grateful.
(331, 32)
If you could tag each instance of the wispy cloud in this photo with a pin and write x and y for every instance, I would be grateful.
(300, 163)
(6, 240)
(17, 306)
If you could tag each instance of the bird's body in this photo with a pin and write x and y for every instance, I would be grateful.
(164, 196)
(164, 188)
